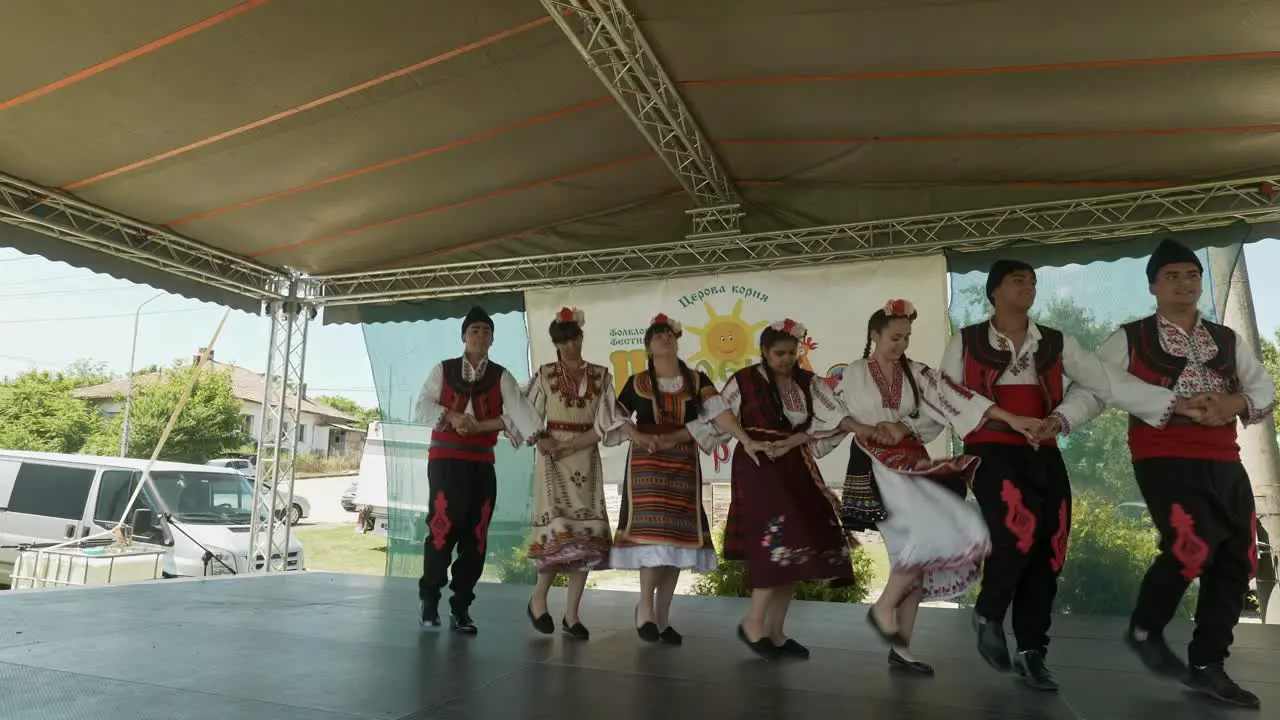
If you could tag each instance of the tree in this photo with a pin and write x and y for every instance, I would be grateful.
(1271, 361)
(211, 423)
(351, 407)
(38, 413)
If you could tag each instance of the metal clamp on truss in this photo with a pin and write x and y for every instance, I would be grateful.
(715, 222)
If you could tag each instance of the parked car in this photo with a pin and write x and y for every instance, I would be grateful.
(198, 514)
(300, 509)
(243, 465)
(349, 497)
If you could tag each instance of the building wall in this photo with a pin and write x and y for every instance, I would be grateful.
(315, 438)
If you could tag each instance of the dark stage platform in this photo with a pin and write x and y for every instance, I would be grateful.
(323, 647)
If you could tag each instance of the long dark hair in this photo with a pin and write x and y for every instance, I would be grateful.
(563, 332)
(769, 338)
(877, 323)
(690, 380)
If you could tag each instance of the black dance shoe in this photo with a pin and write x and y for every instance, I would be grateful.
(543, 623)
(1155, 654)
(1214, 682)
(1031, 668)
(577, 631)
(648, 632)
(894, 639)
(897, 662)
(462, 623)
(991, 643)
(793, 650)
(428, 615)
(763, 647)
(670, 636)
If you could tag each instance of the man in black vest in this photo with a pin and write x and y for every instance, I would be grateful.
(1024, 491)
(1190, 475)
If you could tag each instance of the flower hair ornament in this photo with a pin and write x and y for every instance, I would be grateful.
(571, 315)
(662, 319)
(900, 308)
(790, 327)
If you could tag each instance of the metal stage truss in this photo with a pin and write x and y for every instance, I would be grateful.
(277, 443)
(1114, 216)
(49, 212)
(607, 36)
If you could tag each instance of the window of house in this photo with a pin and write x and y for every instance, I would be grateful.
(51, 490)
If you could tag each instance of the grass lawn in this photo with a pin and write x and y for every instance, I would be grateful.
(881, 557)
(343, 550)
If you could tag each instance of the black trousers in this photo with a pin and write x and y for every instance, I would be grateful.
(1025, 497)
(463, 494)
(1205, 513)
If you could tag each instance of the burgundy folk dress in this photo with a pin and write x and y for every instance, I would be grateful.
(783, 520)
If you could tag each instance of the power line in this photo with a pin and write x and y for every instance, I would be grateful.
(100, 317)
(65, 292)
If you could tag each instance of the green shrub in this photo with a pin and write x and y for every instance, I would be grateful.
(1107, 558)
(729, 579)
(516, 568)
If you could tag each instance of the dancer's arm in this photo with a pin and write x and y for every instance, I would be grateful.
(1112, 384)
(429, 411)
(1255, 400)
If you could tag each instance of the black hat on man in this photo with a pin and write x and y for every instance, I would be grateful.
(1001, 269)
(1170, 252)
(476, 315)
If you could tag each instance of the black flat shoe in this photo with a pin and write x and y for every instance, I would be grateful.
(992, 646)
(648, 632)
(671, 637)
(462, 623)
(793, 650)
(1214, 682)
(1156, 655)
(1031, 668)
(892, 638)
(543, 623)
(897, 662)
(763, 647)
(577, 631)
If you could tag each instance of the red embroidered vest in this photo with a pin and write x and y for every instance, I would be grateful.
(983, 366)
(485, 397)
(1182, 437)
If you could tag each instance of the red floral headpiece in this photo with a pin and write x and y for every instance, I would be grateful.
(790, 327)
(571, 315)
(900, 308)
(662, 319)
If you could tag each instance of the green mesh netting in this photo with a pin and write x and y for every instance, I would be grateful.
(401, 355)
(1112, 542)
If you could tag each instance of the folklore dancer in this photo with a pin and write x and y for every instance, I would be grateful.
(1022, 488)
(662, 527)
(467, 401)
(936, 541)
(1191, 477)
(571, 533)
(783, 521)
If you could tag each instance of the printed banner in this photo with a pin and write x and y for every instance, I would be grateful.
(723, 316)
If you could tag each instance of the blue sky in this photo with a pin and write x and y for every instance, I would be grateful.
(52, 314)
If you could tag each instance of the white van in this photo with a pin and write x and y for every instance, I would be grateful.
(193, 511)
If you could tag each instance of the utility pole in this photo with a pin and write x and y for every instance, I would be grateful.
(1258, 447)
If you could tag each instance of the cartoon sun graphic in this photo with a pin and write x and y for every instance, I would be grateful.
(727, 340)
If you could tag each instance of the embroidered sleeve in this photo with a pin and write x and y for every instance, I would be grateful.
(1255, 385)
(824, 443)
(952, 364)
(944, 401)
(429, 411)
(1112, 384)
(828, 410)
(520, 420)
(704, 429)
(732, 396)
(1079, 406)
(607, 416)
(538, 399)
(623, 410)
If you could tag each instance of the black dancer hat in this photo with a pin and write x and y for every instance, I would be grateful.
(1001, 269)
(1170, 252)
(476, 315)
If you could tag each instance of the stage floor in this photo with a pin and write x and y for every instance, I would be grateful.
(323, 647)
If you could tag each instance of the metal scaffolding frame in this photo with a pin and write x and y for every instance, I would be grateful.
(1108, 217)
(278, 438)
(49, 212)
(607, 36)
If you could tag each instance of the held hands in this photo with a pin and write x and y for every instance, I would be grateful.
(1050, 428)
(893, 432)
(462, 423)
(1212, 408)
(1030, 428)
(873, 434)
(755, 448)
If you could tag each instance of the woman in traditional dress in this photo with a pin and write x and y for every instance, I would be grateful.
(783, 521)
(936, 541)
(570, 532)
(662, 527)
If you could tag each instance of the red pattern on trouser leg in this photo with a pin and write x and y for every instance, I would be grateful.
(482, 527)
(440, 524)
(1188, 547)
(1253, 544)
(1060, 539)
(1020, 521)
